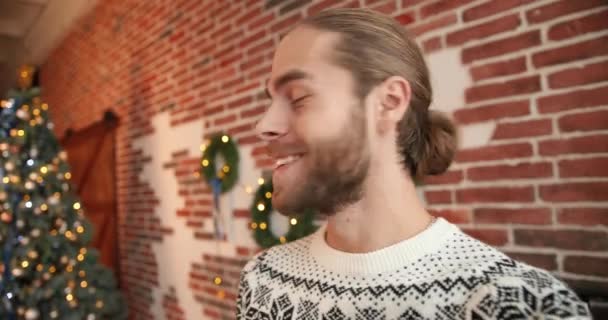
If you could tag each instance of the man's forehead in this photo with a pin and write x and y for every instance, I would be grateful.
(304, 45)
(303, 50)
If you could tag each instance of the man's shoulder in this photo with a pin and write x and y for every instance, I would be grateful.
(509, 286)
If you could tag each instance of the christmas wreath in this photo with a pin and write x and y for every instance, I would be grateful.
(261, 207)
(226, 177)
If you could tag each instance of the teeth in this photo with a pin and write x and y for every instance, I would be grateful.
(286, 160)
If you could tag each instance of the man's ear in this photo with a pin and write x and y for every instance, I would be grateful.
(394, 97)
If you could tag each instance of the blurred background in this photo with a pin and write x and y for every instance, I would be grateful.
(137, 90)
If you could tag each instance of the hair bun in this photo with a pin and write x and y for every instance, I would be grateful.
(440, 146)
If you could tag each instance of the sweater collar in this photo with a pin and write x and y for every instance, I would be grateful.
(386, 259)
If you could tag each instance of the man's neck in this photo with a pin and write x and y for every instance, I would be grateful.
(389, 212)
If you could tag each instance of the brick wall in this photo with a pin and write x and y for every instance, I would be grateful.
(531, 177)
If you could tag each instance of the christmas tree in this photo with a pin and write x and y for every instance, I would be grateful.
(46, 271)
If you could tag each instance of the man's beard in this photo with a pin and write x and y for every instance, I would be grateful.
(336, 170)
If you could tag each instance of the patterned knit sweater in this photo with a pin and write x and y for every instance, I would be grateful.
(440, 273)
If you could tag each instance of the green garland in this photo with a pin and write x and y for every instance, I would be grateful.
(228, 175)
(261, 208)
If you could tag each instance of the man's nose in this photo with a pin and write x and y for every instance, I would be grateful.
(274, 123)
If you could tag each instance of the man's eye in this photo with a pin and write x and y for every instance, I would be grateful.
(299, 100)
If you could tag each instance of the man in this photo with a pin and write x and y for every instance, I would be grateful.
(350, 130)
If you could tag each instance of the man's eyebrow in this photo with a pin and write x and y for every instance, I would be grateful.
(287, 77)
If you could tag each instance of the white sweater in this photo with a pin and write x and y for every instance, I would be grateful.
(440, 273)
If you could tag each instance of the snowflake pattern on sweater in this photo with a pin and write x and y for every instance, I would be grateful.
(441, 273)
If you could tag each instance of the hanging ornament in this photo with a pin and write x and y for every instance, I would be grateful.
(35, 233)
(22, 114)
(29, 185)
(9, 166)
(31, 314)
(20, 224)
(6, 217)
(17, 272)
(34, 152)
(2, 196)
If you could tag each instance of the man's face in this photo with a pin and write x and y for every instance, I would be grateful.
(315, 127)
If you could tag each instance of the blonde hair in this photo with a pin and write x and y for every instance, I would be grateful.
(375, 47)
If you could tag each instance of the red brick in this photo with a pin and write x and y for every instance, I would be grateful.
(450, 177)
(529, 128)
(592, 167)
(503, 46)
(405, 18)
(517, 216)
(453, 216)
(494, 111)
(240, 129)
(213, 110)
(240, 102)
(438, 197)
(254, 112)
(582, 98)
(285, 23)
(386, 8)
(410, 3)
(431, 45)
(560, 8)
(261, 21)
(579, 26)
(495, 194)
(574, 191)
(525, 170)
(497, 69)
(268, 44)
(593, 266)
(562, 239)
(483, 30)
(249, 139)
(493, 237)
(583, 216)
(249, 15)
(317, 7)
(225, 120)
(539, 260)
(590, 73)
(490, 8)
(440, 6)
(589, 121)
(242, 251)
(252, 38)
(441, 22)
(518, 86)
(242, 213)
(573, 52)
(586, 144)
(499, 152)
